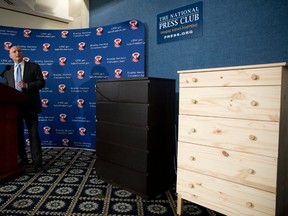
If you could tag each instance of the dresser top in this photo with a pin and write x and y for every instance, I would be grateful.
(135, 79)
(280, 64)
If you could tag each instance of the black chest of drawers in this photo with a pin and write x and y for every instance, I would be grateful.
(135, 134)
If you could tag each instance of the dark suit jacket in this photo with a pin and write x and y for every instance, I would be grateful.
(34, 78)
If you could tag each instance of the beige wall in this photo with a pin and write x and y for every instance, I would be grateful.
(77, 9)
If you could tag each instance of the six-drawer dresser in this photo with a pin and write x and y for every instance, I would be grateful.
(232, 139)
(135, 134)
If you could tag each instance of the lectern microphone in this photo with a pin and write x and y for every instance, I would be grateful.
(7, 67)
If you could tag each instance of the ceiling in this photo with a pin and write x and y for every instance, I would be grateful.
(51, 9)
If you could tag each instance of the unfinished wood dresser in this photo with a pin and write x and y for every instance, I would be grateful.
(232, 141)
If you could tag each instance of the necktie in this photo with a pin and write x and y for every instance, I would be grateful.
(18, 77)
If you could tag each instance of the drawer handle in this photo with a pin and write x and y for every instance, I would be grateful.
(254, 103)
(254, 77)
(249, 204)
(250, 171)
(192, 158)
(252, 137)
(194, 79)
(191, 185)
(226, 154)
(193, 130)
(194, 101)
(217, 131)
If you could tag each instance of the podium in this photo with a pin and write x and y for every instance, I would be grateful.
(10, 98)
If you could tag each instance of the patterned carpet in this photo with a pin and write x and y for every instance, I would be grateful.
(69, 186)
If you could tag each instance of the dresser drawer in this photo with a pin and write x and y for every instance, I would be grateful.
(224, 196)
(122, 91)
(135, 181)
(146, 184)
(123, 113)
(125, 156)
(252, 170)
(123, 135)
(255, 137)
(256, 103)
(240, 77)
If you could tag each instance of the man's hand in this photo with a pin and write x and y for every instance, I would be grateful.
(22, 85)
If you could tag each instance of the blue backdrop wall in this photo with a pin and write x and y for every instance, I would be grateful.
(71, 62)
(234, 33)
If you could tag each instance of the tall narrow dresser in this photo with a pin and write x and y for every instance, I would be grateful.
(232, 139)
(135, 134)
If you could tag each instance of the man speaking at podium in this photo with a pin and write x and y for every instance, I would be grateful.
(27, 77)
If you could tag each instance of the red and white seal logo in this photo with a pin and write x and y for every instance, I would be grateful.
(63, 117)
(118, 73)
(80, 103)
(62, 88)
(26, 59)
(46, 47)
(46, 130)
(65, 142)
(99, 31)
(45, 74)
(7, 45)
(135, 57)
(27, 33)
(64, 34)
(81, 46)
(62, 61)
(133, 24)
(80, 74)
(98, 59)
(117, 42)
(44, 102)
(82, 131)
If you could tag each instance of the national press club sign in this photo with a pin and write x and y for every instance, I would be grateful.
(181, 23)
(71, 62)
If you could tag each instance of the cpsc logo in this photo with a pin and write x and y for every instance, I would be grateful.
(98, 59)
(61, 88)
(27, 33)
(80, 74)
(64, 34)
(44, 102)
(7, 45)
(99, 31)
(117, 42)
(47, 130)
(65, 142)
(46, 47)
(81, 46)
(118, 73)
(62, 61)
(63, 117)
(135, 57)
(80, 103)
(82, 131)
(45, 74)
(133, 24)
(26, 59)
